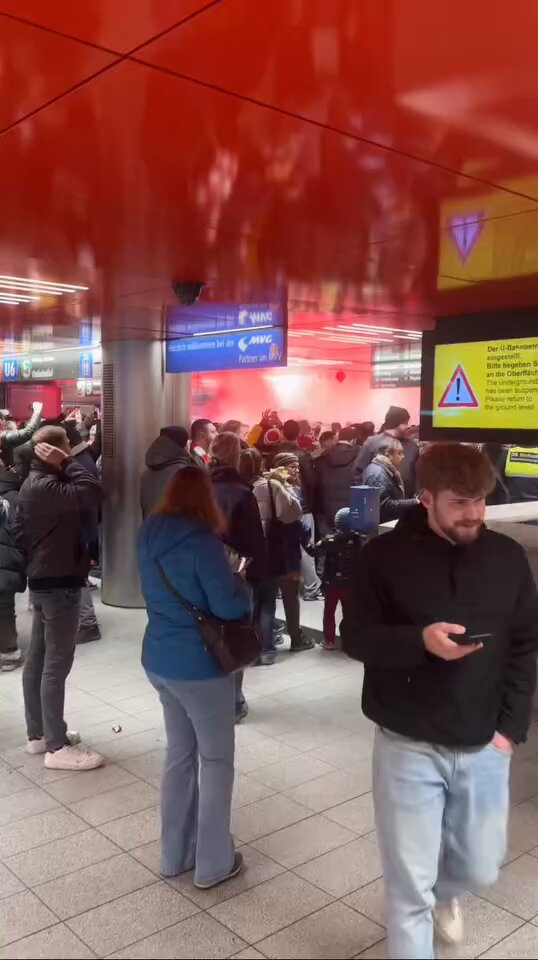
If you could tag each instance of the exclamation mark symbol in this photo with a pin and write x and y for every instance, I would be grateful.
(458, 385)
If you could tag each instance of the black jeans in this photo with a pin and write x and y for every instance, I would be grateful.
(8, 623)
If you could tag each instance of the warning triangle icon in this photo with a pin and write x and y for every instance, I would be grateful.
(458, 392)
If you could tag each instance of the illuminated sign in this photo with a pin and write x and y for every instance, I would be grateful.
(486, 384)
(232, 351)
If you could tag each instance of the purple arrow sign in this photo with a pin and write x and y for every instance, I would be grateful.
(465, 229)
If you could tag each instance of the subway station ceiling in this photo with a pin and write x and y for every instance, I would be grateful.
(374, 161)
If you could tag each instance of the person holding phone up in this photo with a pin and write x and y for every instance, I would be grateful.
(445, 619)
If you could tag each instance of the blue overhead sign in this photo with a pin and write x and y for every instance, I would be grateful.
(219, 317)
(247, 350)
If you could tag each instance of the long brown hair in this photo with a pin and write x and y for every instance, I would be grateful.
(190, 494)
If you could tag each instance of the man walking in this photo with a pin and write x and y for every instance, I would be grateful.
(49, 530)
(446, 622)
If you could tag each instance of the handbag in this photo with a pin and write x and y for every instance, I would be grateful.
(234, 644)
(277, 544)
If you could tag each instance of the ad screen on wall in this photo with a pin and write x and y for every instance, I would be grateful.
(480, 378)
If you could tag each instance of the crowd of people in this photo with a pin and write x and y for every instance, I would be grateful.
(442, 612)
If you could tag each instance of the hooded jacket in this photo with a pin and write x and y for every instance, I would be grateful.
(194, 561)
(410, 578)
(392, 503)
(163, 459)
(333, 472)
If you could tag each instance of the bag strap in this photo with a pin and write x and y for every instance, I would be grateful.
(272, 499)
(193, 611)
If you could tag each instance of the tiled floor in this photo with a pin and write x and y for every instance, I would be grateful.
(79, 853)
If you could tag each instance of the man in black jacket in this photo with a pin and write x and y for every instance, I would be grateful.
(396, 425)
(167, 454)
(446, 623)
(49, 530)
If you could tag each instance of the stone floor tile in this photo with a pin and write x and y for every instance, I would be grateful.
(91, 784)
(137, 915)
(56, 942)
(90, 887)
(22, 914)
(333, 933)
(41, 828)
(116, 803)
(356, 814)
(196, 938)
(485, 925)
(149, 854)
(369, 900)
(346, 752)
(344, 870)
(249, 953)
(333, 788)
(289, 773)
(303, 841)
(269, 907)
(135, 829)
(25, 804)
(265, 816)
(523, 943)
(265, 752)
(9, 883)
(11, 781)
(516, 889)
(256, 870)
(53, 860)
(247, 790)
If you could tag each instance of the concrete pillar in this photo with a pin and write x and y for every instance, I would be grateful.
(138, 399)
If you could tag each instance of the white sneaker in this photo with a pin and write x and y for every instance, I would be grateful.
(75, 757)
(448, 922)
(39, 746)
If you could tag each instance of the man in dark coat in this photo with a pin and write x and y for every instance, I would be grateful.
(444, 616)
(383, 473)
(12, 581)
(333, 473)
(167, 454)
(395, 425)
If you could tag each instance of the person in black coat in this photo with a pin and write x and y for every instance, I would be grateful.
(12, 581)
(164, 457)
(333, 475)
(244, 533)
(384, 474)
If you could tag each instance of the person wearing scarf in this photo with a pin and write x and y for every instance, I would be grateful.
(384, 474)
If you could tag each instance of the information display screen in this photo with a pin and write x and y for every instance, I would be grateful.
(492, 384)
(480, 378)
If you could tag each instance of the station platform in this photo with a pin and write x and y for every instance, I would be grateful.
(79, 874)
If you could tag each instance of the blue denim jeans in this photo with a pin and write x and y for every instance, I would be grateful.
(264, 612)
(441, 818)
(197, 777)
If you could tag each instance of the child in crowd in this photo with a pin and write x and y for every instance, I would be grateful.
(340, 551)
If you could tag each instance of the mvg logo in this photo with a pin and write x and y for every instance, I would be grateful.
(259, 339)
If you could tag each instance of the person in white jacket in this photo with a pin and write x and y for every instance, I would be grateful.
(276, 502)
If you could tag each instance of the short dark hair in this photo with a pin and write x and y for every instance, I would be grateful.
(336, 426)
(348, 434)
(251, 464)
(55, 436)
(457, 467)
(396, 417)
(291, 430)
(232, 426)
(198, 427)
(326, 435)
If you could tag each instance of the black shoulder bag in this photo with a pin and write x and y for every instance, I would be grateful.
(233, 643)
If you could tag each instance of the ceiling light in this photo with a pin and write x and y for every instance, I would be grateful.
(14, 303)
(21, 297)
(45, 284)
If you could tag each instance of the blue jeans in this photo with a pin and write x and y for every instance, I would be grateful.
(197, 778)
(441, 818)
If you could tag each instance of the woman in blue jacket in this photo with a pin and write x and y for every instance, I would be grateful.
(198, 700)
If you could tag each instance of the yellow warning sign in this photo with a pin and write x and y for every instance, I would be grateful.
(490, 384)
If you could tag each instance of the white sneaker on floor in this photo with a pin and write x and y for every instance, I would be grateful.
(448, 922)
(76, 757)
(39, 746)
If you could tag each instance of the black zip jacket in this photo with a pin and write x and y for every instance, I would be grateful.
(341, 552)
(411, 577)
(49, 526)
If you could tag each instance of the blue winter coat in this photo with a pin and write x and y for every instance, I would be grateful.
(195, 562)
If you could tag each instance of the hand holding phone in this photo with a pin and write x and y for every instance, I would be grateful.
(438, 641)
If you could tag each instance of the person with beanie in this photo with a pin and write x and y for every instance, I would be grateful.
(395, 425)
(340, 551)
(167, 454)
